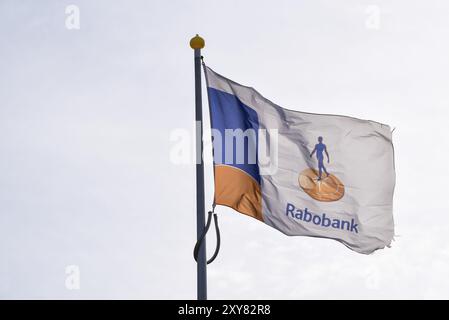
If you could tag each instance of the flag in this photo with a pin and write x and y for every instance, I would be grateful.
(304, 174)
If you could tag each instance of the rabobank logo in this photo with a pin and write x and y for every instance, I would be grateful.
(320, 184)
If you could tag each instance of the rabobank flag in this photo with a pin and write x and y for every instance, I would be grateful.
(305, 174)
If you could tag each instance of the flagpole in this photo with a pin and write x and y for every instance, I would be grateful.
(197, 43)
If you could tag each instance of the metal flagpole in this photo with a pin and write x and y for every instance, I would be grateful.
(197, 43)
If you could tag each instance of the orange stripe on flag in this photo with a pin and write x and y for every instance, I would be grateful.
(236, 189)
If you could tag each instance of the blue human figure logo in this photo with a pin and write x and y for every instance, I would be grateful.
(320, 147)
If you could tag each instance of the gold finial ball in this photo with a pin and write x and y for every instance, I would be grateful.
(197, 42)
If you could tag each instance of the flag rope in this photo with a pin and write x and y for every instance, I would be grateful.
(210, 213)
(203, 235)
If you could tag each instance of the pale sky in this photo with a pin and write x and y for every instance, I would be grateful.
(86, 117)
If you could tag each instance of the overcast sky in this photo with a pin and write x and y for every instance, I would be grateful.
(86, 117)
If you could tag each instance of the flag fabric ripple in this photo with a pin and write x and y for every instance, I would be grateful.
(328, 176)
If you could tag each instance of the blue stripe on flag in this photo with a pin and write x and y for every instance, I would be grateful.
(228, 112)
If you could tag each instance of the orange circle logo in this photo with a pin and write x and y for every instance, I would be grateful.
(327, 189)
